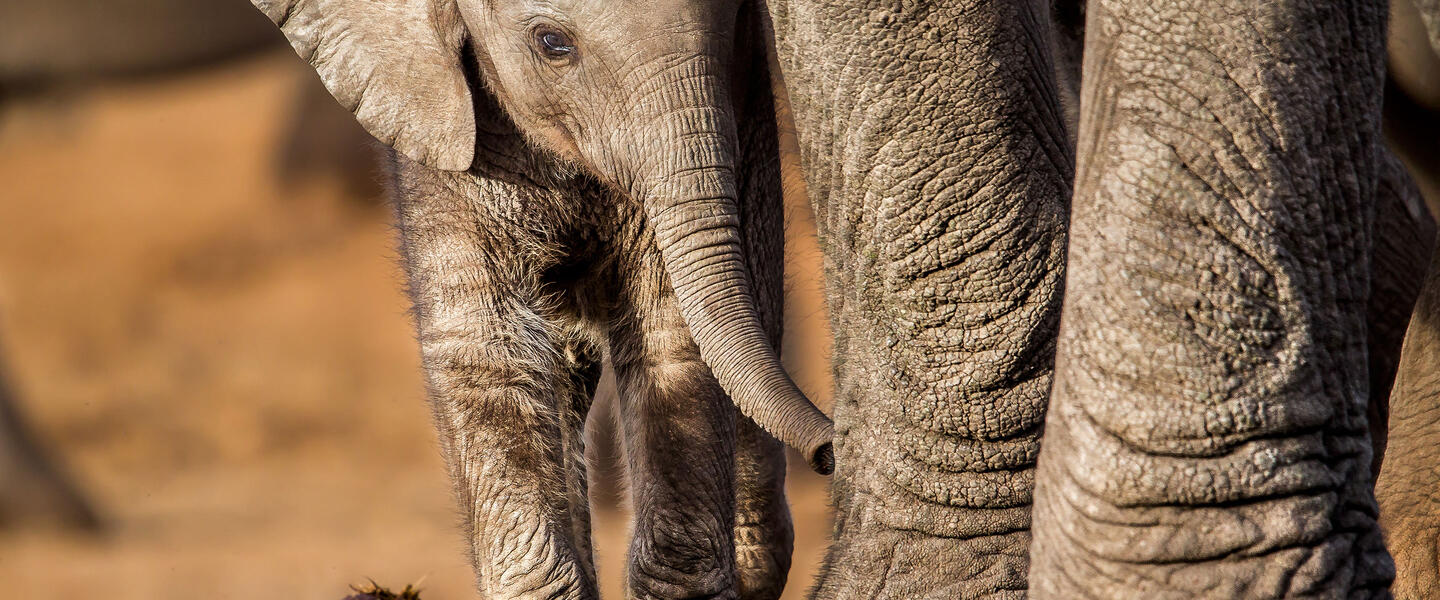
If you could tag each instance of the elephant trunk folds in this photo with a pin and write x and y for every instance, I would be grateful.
(689, 195)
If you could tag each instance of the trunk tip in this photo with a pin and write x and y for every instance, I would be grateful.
(822, 459)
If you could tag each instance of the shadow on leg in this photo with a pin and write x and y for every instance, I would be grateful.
(679, 432)
(1404, 234)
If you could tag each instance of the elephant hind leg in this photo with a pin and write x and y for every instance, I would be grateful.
(1205, 435)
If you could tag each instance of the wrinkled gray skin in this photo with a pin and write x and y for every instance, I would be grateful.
(933, 144)
(939, 169)
(617, 200)
(1404, 229)
(1404, 233)
(1207, 433)
(897, 117)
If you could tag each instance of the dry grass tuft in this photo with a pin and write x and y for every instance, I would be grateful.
(374, 591)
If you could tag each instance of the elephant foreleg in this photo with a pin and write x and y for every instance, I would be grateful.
(679, 436)
(936, 158)
(509, 381)
(1206, 436)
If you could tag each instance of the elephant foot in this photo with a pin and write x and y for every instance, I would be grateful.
(546, 579)
(520, 556)
(671, 562)
(873, 560)
(650, 580)
(762, 561)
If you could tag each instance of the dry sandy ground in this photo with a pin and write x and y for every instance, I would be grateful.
(226, 364)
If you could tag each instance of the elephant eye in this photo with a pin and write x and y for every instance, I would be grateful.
(553, 43)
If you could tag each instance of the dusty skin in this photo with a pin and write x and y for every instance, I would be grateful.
(227, 365)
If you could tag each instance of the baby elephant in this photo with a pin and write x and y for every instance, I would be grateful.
(578, 181)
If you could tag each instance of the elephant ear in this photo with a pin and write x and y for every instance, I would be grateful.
(396, 64)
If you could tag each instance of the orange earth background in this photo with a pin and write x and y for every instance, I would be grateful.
(223, 361)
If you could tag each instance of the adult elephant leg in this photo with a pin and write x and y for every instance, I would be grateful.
(1404, 228)
(508, 374)
(933, 147)
(1409, 507)
(1207, 433)
(1404, 235)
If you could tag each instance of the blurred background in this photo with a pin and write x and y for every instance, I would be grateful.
(209, 386)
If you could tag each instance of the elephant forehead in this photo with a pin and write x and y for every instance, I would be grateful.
(631, 21)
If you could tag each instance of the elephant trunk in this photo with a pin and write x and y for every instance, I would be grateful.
(689, 195)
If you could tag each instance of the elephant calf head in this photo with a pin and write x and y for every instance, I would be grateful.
(636, 92)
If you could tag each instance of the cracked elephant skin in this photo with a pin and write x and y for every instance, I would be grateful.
(940, 216)
(1404, 228)
(576, 182)
(939, 164)
(936, 159)
(1404, 233)
(1207, 432)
